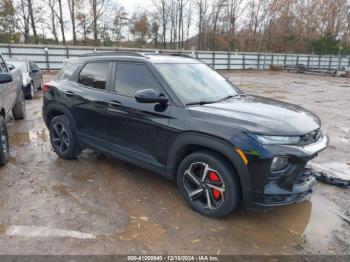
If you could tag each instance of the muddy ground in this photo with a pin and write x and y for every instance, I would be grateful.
(100, 205)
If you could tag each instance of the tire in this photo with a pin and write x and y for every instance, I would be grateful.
(19, 110)
(4, 142)
(41, 84)
(223, 199)
(63, 138)
(31, 91)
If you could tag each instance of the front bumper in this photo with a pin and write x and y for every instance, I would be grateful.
(294, 184)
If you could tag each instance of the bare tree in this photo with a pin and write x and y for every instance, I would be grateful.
(32, 20)
(52, 25)
(60, 20)
(163, 10)
(72, 12)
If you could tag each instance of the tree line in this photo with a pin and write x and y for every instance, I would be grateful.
(312, 26)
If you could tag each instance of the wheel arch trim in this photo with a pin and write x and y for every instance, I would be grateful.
(53, 106)
(210, 143)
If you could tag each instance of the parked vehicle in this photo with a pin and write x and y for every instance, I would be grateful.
(31, 73)
(11, 99)
(176, 116)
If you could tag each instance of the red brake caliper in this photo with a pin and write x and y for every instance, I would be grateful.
(215, 178)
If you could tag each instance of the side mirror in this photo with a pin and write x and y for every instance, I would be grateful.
(150, 96)
(5, 78)
(11, 67)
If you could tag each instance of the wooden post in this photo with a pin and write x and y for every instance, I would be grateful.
(10, 51)
(213, 60)
(229, 60)
(258, 61)
(243, 61)
(46, 50)
(67, 52)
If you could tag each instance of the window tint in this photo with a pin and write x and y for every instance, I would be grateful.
(134, 77)
(67, 70)
(3, 68)
(94, 75)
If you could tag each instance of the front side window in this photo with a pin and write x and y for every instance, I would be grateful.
(134, 77)
(195, 83)
(94, 75)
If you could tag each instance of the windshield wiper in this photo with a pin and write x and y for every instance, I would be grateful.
(227, 98)
(202, 102)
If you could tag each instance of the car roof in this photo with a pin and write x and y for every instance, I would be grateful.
(138, 57)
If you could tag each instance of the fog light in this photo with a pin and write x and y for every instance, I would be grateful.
(279, 163)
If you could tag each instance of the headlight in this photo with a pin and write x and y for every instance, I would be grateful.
(277, 140)
(279, 163)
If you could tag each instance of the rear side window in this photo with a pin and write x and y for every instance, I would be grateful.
(94, 75)
(67, 70)
(134, 77)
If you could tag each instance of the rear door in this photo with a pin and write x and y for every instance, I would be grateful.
(88, 98)
(138, 129)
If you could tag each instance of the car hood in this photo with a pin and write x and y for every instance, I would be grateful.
(259, 115)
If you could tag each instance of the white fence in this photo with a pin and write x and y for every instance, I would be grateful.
(51, 57)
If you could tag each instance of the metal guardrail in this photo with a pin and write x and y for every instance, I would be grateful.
(50, 57)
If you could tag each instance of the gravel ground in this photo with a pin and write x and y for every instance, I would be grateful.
(100, 205)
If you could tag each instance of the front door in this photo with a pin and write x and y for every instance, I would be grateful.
(136, 128)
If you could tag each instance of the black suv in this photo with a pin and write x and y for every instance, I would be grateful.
(177, 117)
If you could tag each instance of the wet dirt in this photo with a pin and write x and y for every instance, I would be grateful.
(100, 205)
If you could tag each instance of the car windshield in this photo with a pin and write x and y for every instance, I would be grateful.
(19, 64)
(197, 83)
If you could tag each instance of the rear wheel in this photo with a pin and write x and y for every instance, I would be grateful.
(208, 184)
(19, 110)
(41, 84)
(4, 142)
(63, 139)
(31, 91)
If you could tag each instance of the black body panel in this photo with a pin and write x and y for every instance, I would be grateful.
(157, 136)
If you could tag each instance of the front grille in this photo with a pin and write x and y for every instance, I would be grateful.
(310, 138)
(304, 176)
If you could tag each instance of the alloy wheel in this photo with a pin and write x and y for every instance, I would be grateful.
(3, 142)
(60, 137)
(204, 186)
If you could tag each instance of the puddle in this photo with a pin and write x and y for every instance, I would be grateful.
(2, 229)
(279, 97)
(23, 138)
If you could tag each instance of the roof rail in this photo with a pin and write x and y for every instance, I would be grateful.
(174, 54)
(114, 53)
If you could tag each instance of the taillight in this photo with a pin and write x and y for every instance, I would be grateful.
(46, 87)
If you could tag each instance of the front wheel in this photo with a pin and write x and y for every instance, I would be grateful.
(63, 139)
(4, 142)
(208, 184)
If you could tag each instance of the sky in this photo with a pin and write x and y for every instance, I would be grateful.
(134, 5)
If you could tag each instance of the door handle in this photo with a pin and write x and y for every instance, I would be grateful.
(115, 104)
(69, 93)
